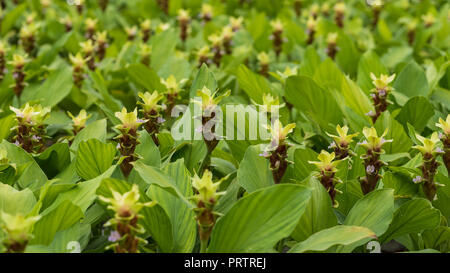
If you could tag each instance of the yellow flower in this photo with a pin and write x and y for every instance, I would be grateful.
(18, 227)
(205, 51)
(162, 27)
(429, 19)
(19, 60)
(173, 87)
(270, 103)
(126, 205)
(87, 47)
(209, 99)
(131, 31)
(382, 83)
(277, 25)
(129, 120)
(429, 145)
(183, 15)
(326, 162)
(207, 10)
(35, 115)
(280, 133)
(311, 23)
(325, 7)
(101, 37)
(227, 33)
(373, 141)
(80, 120)
(215, 39)
(444, 125)
(343, 139)
(288, 72)
(78, 61)
(28, 31)
(150, 101)
(315, 8)
(206, 188)
(340, 7)
(332, 38)
(91, 23)
(236, 23)
(263, 58)
(146, 24)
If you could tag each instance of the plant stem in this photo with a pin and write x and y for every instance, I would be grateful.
(203, 246)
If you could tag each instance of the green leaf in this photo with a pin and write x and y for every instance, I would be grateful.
(96, 129)
(61, 218)
(369, 63)
(13, 201)
(318, 214)
(94, 158)
(60, 80)
(6, 123)
(401, 141)
(259, 220)
(182, 217)
(317, 103)
(374, 211)
(247, 176)
(203, 78)
(336, 236)
(412, 217)
(302, 169)
(31, 176)
(54, 159)
(145, 77)
(152, 175)
(254, 85)
(412, 81)
(417, 111)
(402, 184)
(147, 150)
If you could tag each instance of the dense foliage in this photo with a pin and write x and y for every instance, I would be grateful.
(137, 126)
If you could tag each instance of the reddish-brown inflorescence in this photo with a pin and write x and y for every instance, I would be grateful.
(19, 74)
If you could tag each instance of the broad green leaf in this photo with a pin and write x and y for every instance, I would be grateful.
(302, 169)
(6, 123)
(13, 201)
(31, 175)
(374, 211)
(147, 150)
(412, 217)
(417, 111)
(182, 217)
(60, 80)
(318, 214)
(259, 220)
(62, 217)
(253, 84)
(94, 158)
(152, 175)
(369, 63)
(203, 78)
(412, 81)
(338, 235)
(401, 141)
(145, 77)
(402, 184)
(96, 129)
(54, 159)
(317, 103)
(247, 176)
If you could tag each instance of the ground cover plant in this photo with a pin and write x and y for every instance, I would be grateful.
(224, 126)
